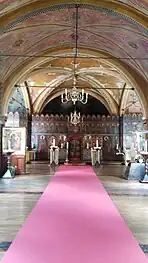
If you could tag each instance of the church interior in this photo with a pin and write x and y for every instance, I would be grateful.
(73, 131)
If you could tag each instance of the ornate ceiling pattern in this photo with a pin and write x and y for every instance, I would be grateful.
(9, 5)
(28, 39)
(99, 28)
(37, 94)
(97, 77)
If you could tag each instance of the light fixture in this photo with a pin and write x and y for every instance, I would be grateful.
(75, 118)
(74, 94)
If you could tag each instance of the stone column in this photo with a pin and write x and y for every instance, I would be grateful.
(121, 132)
(2, 122)
(145, 122)
(29, 130)
(3, 160)
(1, 97)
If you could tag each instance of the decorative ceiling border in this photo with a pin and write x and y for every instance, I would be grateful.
(64, 6)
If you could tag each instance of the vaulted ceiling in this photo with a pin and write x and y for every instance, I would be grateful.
(37, 40)
(9, 5)
(97, 78)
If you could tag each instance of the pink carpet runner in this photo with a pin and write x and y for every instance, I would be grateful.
(74, 221)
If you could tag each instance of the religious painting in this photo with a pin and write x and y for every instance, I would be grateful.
(42, 144)
(14, 139)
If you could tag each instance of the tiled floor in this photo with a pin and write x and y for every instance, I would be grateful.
(18, 196)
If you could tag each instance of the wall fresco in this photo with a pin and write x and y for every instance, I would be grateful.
(133, 104)
(17, 102)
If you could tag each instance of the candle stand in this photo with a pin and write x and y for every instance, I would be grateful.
(10, 173)
(66, 161)
(96, 155)
(54, 155)
(67, 151)
(145, 178)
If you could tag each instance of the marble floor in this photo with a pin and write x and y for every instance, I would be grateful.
(19, 195)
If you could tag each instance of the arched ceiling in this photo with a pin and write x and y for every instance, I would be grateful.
(99, 28)
(9, 5)
(99, 78)
(31, 30)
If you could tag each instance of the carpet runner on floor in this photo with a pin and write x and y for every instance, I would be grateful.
(74, 221)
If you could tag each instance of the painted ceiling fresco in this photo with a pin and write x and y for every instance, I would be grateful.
(38, 83)
(102, 30)
(99, 28)
(95, 75)
(139, 4)
(17, 101)
(8, 5)
(88, 72)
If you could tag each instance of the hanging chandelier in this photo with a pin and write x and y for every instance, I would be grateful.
(75, 118)
(74, 94)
